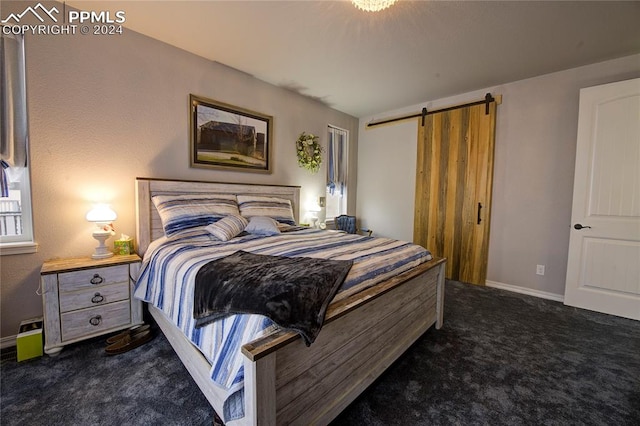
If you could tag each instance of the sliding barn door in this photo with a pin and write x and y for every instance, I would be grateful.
(453, 188)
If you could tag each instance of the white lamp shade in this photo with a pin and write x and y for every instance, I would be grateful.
(101, 213)
(313, 206)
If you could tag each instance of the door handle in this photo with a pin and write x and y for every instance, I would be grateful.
(479, 208)
(579, 226)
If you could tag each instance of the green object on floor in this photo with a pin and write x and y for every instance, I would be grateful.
(29, 340)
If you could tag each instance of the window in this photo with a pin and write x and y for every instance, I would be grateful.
(337, 156)
(16, 224)
(15, 208)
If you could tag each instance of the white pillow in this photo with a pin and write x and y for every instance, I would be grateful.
(262, 225)
(227, 227)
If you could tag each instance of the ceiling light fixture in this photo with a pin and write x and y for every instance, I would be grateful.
(372, 5)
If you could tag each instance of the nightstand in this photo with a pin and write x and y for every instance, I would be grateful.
(85, 297)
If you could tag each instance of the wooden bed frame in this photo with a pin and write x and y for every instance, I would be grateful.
(285, 381)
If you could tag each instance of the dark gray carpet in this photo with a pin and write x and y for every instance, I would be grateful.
(501, 359)
(84, 386)
(508, 359)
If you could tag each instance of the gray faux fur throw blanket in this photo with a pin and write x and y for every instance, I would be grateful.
(294, 292)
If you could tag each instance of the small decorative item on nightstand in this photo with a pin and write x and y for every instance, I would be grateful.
(85, 297)
(123, 245)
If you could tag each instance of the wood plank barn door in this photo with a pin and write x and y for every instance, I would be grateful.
(453, 188)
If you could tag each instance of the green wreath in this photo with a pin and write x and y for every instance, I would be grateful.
(309, 152)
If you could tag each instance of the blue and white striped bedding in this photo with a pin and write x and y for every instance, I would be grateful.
(167, 280)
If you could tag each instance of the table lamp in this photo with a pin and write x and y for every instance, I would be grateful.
(314, 209)
(102, 216)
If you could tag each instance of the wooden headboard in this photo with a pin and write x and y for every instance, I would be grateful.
(148, 224)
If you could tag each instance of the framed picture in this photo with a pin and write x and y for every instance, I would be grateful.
(226, 137)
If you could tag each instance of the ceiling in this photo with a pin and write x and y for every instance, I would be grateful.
(364, 63)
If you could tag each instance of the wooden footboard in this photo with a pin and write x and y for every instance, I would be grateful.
(362, 337)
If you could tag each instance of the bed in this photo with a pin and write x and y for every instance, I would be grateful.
(284, 380)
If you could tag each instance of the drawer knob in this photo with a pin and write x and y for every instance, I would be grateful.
(95, 320)
(97, 298)
(97, 279)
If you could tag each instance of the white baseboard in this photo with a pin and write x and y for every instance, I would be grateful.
(7, 342)
(525, 290)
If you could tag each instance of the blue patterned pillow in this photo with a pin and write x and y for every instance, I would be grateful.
(227, 227)
(179, 212)
(276, 208)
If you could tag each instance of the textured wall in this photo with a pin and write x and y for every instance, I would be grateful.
(106, 109)
(533, 177)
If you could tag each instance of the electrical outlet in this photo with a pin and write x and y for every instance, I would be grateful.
(540, 269)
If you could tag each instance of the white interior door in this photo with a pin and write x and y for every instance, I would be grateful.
(603, 269)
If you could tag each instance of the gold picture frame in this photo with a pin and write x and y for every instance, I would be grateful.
(227, 137)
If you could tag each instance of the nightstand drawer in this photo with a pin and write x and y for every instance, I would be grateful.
(98, 296)
(92, 278)
(85, 322)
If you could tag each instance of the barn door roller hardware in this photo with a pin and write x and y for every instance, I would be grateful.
(486, 101)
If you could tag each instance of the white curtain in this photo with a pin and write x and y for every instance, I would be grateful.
(336, 156)
(14, 135)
